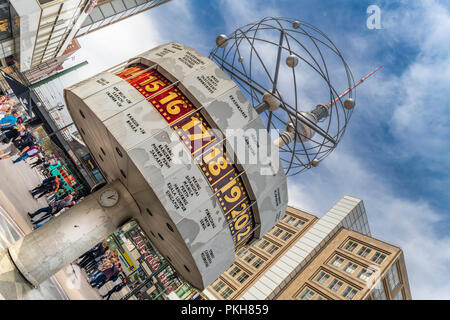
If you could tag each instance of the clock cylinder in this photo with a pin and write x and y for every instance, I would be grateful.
(42, 253)
(189, 147)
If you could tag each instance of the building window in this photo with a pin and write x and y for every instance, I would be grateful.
(249, 257)
(335, 285)
(378, 292)
(322, 277)
(272, 249)
(263, 244)
(337, 261)
(350, 246)
(364, 251)
(392, 277)
(286, 236)
(289, 220)
(258, 263)
(320, 298)
(242, 277)
(218, 286)
(277, 232)
(350, 268)
(349, 293)
(299, 224)
(242, 252)
(378, 257)
(226, 293)
(307, 294)
(365, 274)
(235, 271)
(399, 296)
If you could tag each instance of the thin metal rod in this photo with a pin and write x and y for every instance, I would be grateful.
(277, 68)
(57, 131)
(296, 115)
(350, 89)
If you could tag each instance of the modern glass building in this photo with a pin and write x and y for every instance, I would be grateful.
(43, 29)
(108, 12)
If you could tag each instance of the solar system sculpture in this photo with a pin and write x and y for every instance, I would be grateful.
(186, 145)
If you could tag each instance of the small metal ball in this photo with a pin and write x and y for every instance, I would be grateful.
(349, 103)
(315, 162)
(296, 24)
(240, 59)
(292, 61)
(221, 40)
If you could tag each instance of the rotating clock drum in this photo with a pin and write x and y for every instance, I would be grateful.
(190, 149)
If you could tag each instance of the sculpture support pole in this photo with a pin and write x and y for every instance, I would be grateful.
(42, 253)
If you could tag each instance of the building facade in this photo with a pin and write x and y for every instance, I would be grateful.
(107, 12)
(50, 67)
(354, 267)
(304, 257)
(43, 29)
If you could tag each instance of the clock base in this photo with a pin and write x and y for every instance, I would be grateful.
(42, 253)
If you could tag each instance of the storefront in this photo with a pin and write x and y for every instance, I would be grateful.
(149, 275)
(186, 292)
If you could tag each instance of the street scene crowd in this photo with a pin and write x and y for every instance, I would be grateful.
(18, 143)
(102, 265)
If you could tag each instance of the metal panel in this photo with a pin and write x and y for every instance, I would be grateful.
(135, 125)
(207, 83)
(215, 256)
(176, 59)
(114, 99)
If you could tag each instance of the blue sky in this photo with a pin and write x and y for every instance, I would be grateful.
(395, 154)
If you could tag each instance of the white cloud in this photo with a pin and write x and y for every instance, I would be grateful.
(408, 224)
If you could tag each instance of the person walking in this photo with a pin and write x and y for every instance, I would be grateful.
(38, 162)
(97, 251)
(106, 275)
(9, 120)
(51, 210)
(46, 183)
(5, 110)
(26, 139)
(51, 188)
(26, 153)
(116, 288)
(11, 134)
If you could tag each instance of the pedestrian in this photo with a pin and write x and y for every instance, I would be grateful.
(8, 136)
(46, 183)
(26, 139)
(93, 265)
(101, 264)
(106, 275)
(97, 251)
(51, 188)
(116, 288)
(27, 153)
(59, 195)
(51, 210)
(12, 133)
(38, 162)
(9, 120)
(5, 110)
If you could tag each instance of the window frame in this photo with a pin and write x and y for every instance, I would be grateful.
(349, 244)
(335, 282)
